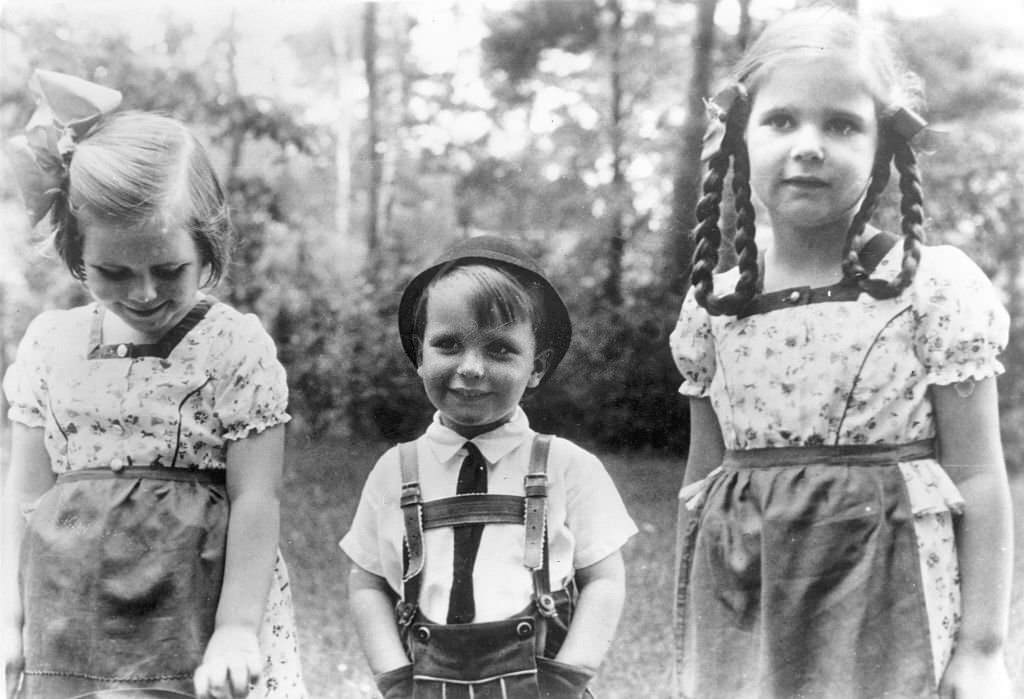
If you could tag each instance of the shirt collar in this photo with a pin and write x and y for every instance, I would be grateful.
(445, 442)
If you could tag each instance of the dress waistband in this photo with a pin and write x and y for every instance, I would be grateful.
(164, 473)
(835, 455)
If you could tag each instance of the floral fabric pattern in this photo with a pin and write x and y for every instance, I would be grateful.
(839, 373)
(220, 383)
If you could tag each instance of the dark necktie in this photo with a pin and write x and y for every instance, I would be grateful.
(472, 479)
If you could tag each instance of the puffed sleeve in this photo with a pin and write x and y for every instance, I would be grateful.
(693, 348)
(961, 324)
(252, 389)
(25, 383)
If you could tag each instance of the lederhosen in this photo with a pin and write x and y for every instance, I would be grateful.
(489, 659)
(121, 570)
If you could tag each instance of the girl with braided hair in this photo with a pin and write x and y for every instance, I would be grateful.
(845, 517)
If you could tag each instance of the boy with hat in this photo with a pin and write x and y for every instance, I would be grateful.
(469, 542)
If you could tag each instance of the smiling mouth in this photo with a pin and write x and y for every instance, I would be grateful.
(468, 395)
(146, 312)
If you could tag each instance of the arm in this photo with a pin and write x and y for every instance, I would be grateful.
(971, 452)
(28, 477)
(232, 658)
(706, 445)
(602, 593)
(372, 603)
(705, 454)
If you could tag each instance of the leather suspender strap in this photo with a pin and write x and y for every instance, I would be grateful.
(535, 485)
(412, 512)
(473, 508)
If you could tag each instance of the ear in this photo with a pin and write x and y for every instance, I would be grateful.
(541, 363)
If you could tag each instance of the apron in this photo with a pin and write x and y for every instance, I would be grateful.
(799, 577)
(120, 576)
(509, 658)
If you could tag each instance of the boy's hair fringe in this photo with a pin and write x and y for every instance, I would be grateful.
(893, 150)
(134, 168)
(496, 294)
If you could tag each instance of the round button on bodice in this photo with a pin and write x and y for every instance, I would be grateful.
(122, 350)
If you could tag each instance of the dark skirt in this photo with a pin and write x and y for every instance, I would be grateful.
(121, 575)
(803, 581)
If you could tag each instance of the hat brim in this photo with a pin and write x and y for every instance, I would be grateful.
(488, 250)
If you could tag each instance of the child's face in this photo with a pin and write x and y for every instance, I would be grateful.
(475, 376)
(812, 137)
(147, 276)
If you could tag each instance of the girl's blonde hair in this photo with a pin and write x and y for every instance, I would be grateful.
(813, 33)
(135, 168)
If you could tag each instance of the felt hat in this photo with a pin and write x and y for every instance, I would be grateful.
(488, 249)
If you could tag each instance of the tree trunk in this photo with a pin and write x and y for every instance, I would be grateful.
(373, 131)
(342, 32)
(745, 26)
(686, 184)
(396, 97)
(619, 194)
(237, 130)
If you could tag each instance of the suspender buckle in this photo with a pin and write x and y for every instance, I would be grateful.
(405, 612)
(410, 494)
(536, 485)
(546, 606)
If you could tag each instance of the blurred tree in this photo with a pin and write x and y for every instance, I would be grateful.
(685, 184)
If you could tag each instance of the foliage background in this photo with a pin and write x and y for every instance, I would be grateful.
(358, 139)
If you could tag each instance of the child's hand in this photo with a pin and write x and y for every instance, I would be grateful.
(231, 662)
(975, 675)
(13, 657)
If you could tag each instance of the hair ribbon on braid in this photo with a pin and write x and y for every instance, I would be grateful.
(912, 128)
(718, 109)
(67, 108)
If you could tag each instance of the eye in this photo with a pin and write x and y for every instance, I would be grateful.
(843, 127)
(779, 120)
(502, 350)
(114, 274)
(446, 344)
(169, 273)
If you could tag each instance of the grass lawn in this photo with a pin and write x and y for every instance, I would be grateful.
(322, 487)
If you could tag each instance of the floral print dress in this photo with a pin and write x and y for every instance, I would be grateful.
(813, 374)
(176, 404)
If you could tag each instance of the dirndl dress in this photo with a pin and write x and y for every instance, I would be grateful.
(820, 558)
(123, 558)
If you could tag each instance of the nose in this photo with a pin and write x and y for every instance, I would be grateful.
(471, 366)
(144, 289)
(809, 144)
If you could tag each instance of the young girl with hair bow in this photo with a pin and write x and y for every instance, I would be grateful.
(845, 518)
(141, 511)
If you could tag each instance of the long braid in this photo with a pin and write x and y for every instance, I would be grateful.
(746, 246)
(851, 265)
(708, 233)
(911, 210)
(911, 220)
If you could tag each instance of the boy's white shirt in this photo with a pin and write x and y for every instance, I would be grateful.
(587, 520)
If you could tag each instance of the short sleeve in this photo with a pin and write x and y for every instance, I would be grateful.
(25, 383)
(961, 324)
(363, 541)
(595, 513)
(252, 388)
(693, 348)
